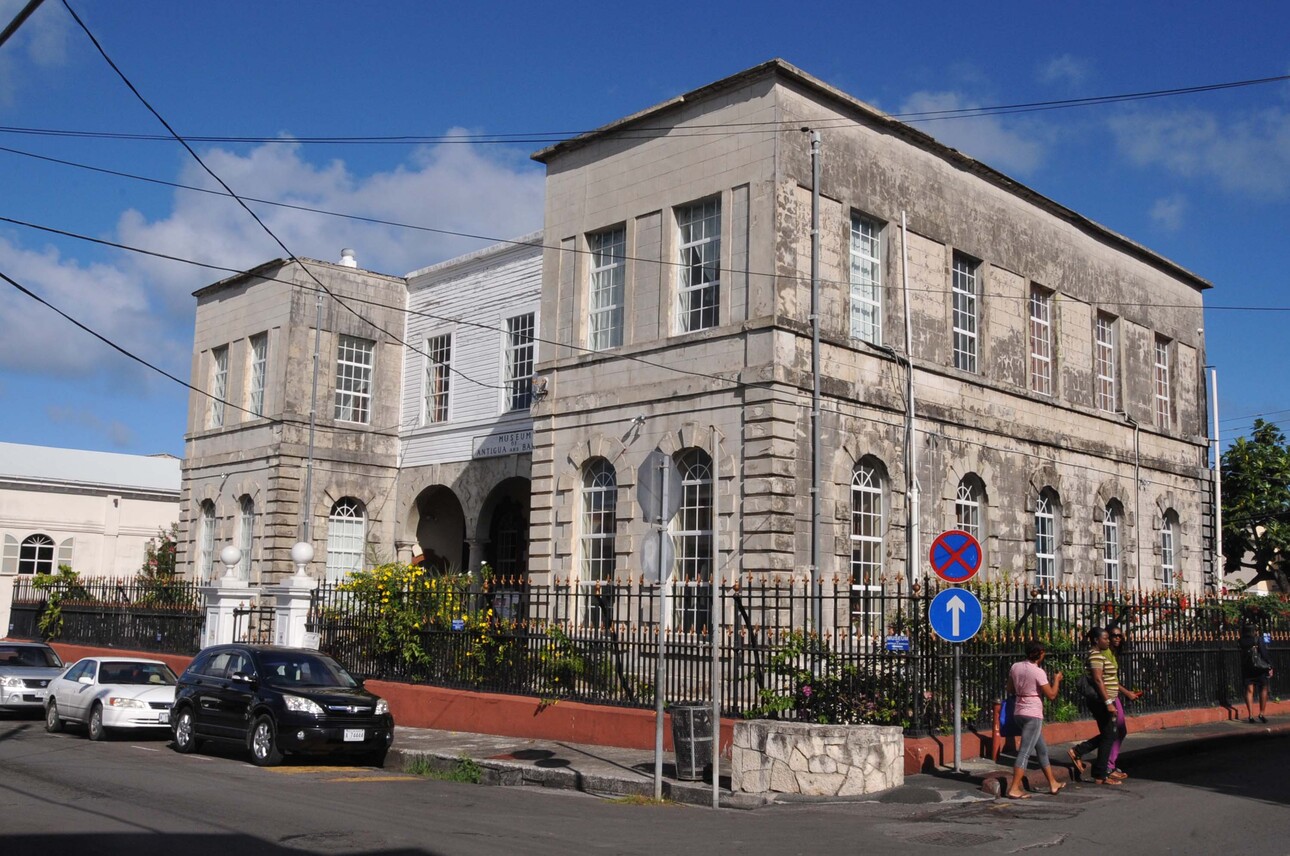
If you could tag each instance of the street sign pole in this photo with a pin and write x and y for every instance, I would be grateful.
(659, 669)
(958, 707)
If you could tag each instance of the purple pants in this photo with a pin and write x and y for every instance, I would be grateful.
(1121, 729)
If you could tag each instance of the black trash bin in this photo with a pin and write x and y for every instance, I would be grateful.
(692, 740)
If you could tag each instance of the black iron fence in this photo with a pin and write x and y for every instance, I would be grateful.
(165, 616)
(873, 659)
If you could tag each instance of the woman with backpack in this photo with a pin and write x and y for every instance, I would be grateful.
(1256, 669)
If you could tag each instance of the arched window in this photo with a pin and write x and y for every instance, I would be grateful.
(346, 536)
(692, 535)
(1111, 544)
(1047, 558)
(599, 504)
(246, 536)
(206, 541)
(867, 552)
(1168, 560)
(36, 555)
(969, 508)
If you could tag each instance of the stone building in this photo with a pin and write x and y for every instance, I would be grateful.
(420, 432)
(1058, 402)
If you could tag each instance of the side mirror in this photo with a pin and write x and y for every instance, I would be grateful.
(243, 678)
(85, 679)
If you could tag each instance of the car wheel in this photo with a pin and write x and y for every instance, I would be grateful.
(97, 730)
(264, 743)
(52, 723)
(185, 736)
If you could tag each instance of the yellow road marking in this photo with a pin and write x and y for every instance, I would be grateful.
(300, 771)
(373, 779)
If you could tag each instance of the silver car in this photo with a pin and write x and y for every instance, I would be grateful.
(111, 693)
(26, 668)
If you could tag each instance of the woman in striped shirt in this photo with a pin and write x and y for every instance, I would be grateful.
(1104, 672)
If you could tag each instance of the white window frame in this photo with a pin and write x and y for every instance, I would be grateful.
(246, 535)
(1163, 416)
(257, 374)
(966, 312)
(698, 226)
(36, 555)
(692, 533)
(1041, 341)
(868, 550)
(346, 538)
(1168, 554)
(436, 398)
(206, 541)
(1111, 551)
(967, 508)
(599, 521)
(355, 359)
(606, 288)
(1046, 539)
(219, 387)
(1106, 363)
(521, 357)
(866, 279)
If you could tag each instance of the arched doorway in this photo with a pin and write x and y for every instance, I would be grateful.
(441, 532)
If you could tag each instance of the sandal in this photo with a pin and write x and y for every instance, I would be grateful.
(1022, 796)
(1118, 775)
(1077, 763)
(1108, 781)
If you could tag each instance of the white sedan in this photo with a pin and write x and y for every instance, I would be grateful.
(109, 693)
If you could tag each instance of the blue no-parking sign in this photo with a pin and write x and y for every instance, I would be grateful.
(955, 556)
(955, 615)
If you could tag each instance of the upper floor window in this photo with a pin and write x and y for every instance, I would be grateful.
(1041, 341)
(866, 279)
(346, 537)
(519, 361)
(354, 379)
(246, 536)
(1162, 382)
(1047, 511)
(218, 388)
(1111, 544)
(36, 555)
(608, 271)
(257, 374)
(206, 541)
(438, 371)
(966, 318)
(599, 521)
(1105, 363)
(1168, 565)
(699, 292)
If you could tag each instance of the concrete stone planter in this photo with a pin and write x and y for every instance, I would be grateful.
(817, 760)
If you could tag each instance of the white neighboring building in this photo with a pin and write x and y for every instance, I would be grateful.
(95, 511)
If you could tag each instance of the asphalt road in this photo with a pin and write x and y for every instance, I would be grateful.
(61, 794)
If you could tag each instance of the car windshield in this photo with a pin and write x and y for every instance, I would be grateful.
(126, 672)
(29, 657)
(304, 670)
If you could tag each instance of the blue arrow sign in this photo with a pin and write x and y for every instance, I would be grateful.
(955, 615)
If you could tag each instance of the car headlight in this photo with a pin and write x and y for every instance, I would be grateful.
(302, 705)
(13, 682)
(382, 706)
(119, 701)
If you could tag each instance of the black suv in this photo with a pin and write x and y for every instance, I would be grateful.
(276, 701)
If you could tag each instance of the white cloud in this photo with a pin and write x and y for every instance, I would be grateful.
(1249, 155)
(145, 304)
(984, 138)
(1168, 212)
(41, 40)
(120, 435)
(1064, 69)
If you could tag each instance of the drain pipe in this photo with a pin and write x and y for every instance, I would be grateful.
(1137, 511)
(913, 494)
(1219, 570)
(815, 381)
(715, 622)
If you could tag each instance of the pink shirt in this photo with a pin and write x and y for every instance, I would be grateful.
(1026, 680)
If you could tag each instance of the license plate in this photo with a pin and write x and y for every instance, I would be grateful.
(163, 716)
(353, 735)
(38, 695)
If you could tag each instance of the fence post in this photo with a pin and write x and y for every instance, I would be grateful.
(291, 604)
(8, 576)
(222, 597)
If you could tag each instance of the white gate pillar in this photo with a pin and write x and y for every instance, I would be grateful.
(222, 597)
(291, 601)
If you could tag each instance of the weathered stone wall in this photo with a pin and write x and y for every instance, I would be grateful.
(816, 760)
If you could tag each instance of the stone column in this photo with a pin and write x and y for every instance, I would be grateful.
(476, 558)
(404, 551)
(291, 602)
(7, 578)
(223, 596)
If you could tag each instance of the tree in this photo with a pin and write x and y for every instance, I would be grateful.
(1256, 505)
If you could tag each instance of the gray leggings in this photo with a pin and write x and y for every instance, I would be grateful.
(1032, 740)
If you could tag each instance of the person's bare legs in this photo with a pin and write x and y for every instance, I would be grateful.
(1249, 700)
(1053, 785)
(1263, 701)
(1016, 790)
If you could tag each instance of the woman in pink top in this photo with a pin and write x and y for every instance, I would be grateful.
(1028, 682)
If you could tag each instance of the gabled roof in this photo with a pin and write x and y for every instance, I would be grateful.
(873, 116)
(79, 467)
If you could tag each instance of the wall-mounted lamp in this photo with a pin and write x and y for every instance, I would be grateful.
(539, 388)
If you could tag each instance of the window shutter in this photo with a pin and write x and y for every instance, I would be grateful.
(9, 562)
(64, 554)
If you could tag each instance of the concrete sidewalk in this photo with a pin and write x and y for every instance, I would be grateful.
(612, 772)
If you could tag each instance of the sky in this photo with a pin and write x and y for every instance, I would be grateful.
(1203, 178)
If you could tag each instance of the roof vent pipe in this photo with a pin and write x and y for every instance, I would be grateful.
(347, 258)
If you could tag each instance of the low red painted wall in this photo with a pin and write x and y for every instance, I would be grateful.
(420, 706)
